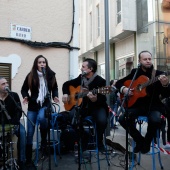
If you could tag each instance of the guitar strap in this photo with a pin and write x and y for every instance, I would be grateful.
(153, 73)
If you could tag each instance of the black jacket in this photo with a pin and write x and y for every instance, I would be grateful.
(152, 100)
(32, 97)
(13, 109)
(95, 84)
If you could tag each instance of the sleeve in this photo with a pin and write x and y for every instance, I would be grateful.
(120, 83)
(74, 82)
(25, 88)
(55, 89)
(18, 110)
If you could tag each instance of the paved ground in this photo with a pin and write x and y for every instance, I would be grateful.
(116, 158)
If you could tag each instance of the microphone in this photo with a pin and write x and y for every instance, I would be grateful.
(84, 73)
(43, 71)
(139, 64)
(7, 89)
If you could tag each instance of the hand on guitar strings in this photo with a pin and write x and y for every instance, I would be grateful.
(92, 97)
(56, 100)
(125, 90)
(65, 98)
(164, 80)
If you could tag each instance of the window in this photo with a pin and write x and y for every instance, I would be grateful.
(118, 11)
(98, 21)
(5, 71)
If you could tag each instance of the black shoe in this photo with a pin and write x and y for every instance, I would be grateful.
(28, 163)
(101, 148)
(145, 148)
(137, 148)
(21, 165)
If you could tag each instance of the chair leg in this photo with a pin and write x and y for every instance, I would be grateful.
(158, 145)
(106, 153)
(37, 147)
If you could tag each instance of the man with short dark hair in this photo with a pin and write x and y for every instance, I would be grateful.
(11, 114)
(93, 103)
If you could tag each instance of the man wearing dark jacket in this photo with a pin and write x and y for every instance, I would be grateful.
(11, 114)
(144, 100)
(93, 103)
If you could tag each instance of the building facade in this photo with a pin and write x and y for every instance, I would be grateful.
(134, 25)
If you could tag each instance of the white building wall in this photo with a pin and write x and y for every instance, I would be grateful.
(124, 48)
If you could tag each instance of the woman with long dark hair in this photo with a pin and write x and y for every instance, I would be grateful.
(38, 100)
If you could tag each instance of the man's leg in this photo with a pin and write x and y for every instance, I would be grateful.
(30, 132)
(131, 127)
(154, 123)
(43, 128)
(100, 116)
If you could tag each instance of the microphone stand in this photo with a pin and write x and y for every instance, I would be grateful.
(20, 109)
(3, 111)
(77, 121)
(79, 125)
(49, 111)
(125, 101)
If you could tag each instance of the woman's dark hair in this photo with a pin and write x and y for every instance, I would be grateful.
(33, 76)
(92, 64)
(143, 52)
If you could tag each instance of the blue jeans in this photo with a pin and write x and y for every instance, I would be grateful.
(34, 116)
(22, 141)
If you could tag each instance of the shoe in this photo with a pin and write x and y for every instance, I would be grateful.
(28, 163)
(137, 148)
(101, 148)
(167, 146)
(117, 123)
(44, 152)
(21, 165)
(146, 148)
(114, 127)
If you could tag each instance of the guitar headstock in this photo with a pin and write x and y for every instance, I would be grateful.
(105, 90)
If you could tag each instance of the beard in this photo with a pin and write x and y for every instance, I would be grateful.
(149, 68)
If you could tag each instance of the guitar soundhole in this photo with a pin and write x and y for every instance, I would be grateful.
(76, 96)
(139, 87)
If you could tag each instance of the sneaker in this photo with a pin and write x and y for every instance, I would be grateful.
(117, 123)
(167, 146)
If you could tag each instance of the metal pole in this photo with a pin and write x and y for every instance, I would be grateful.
(107, 57)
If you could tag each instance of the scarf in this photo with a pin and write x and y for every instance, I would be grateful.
(86, 81)
(42, 89)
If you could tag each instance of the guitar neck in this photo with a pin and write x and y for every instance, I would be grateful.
(84, 94)
(153, 80)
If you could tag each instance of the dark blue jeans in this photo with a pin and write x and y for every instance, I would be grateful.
(98, 114)
(34, 116)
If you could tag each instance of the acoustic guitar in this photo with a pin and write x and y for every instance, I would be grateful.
(76, 95)
(139, 88)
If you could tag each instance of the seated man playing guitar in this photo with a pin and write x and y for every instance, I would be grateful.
(144, 100)
(86, 92)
